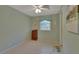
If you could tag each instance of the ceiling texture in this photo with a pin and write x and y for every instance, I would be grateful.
(29, 10)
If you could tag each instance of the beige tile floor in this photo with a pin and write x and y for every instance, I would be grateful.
(32, 47)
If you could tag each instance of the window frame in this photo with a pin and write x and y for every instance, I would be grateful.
(47, 25)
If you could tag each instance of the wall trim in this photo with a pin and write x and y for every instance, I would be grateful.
(5, 50)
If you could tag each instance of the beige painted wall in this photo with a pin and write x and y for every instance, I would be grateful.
(14, 27)
(48, 37)
(70, 40)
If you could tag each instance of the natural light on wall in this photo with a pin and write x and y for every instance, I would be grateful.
(45, 25)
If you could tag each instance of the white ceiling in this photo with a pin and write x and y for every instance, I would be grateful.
(28, 10)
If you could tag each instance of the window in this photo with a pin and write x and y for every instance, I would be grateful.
(45, 25)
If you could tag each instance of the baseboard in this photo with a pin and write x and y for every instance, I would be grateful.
(4, 51)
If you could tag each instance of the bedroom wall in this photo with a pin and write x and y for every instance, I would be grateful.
(48, 37)
(70, 40)
(15, 27)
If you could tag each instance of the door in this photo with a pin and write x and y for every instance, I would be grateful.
(34, 35)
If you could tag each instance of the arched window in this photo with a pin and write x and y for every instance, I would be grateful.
(45, 25)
